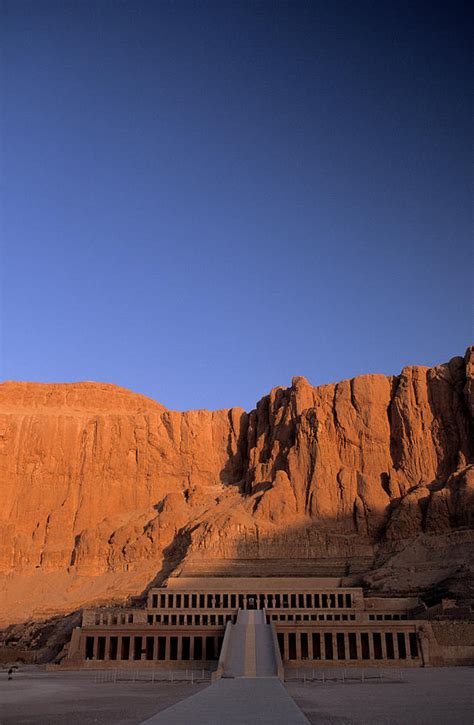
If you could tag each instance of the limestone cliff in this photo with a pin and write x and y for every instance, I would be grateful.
(103, 490)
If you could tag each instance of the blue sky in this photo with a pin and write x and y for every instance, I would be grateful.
(200, 200)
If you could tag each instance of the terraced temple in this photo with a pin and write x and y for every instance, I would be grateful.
(313, 620)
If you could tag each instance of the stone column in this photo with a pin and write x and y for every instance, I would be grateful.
(358, 646)
(423, 637)
(96, 647)
(371, 645)
(395, 646)
(298, 645)
(310, 646)
(347, 653)
(384, 646)
(322, 640)
(167, 648)
(107, 647)
(180, 648)
(286, 645)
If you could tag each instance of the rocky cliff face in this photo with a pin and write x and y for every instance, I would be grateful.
(104, 490)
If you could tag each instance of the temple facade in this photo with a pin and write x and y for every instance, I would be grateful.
(315, 621)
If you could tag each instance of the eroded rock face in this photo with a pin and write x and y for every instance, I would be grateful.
(102, 489)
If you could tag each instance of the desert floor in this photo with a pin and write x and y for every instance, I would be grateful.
(433, 696)
(425, 696)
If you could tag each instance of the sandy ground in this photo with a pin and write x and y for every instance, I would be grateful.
(433, 696)
(70, 698)
(424, 697)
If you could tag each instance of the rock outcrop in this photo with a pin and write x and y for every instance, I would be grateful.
(104, 490)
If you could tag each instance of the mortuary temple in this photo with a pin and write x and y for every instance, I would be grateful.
(312, 620)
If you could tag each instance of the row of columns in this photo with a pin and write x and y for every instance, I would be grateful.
(196, 600)
(197, 620)
(403, 652)
(113, 618)
(310, 617)
(201, 647)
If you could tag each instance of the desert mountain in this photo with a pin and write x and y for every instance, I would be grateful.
(104, 491)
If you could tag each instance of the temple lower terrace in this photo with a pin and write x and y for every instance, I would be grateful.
(195, 621)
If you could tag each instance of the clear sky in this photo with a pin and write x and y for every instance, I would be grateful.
(202, 199)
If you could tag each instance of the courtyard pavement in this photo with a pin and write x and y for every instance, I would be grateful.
(37, 697)
(239, 701)
(433, 696)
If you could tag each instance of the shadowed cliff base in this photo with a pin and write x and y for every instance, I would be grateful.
(418, 565)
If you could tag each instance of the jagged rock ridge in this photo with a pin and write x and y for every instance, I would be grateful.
(102, 488)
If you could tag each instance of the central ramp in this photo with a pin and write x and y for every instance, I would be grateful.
(243, 701)
(251, 650)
